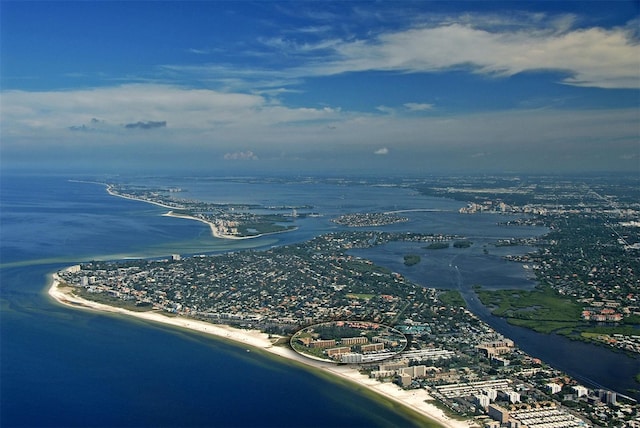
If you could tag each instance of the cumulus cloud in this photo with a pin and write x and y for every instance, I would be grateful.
(382, 151)
(247, 155)
(146, 125)
(418, 106)
(386, 110)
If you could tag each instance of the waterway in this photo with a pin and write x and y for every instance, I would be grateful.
(63, 367)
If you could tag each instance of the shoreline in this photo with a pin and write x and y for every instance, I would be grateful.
(215, 230)
(413, 400)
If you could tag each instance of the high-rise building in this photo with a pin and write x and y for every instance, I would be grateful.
(482, 401)
(580, 390)
(404, 379)
(498, 413)
(554, 388)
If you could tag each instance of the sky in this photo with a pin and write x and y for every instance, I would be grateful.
(380, 87)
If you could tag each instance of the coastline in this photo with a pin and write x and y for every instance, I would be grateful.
(413, 400)
(215, 230)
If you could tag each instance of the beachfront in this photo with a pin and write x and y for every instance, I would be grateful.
(413, 400)
(217, 231)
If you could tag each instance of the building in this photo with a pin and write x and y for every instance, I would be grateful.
(553, 388)
(372, 347)
(332, 352)
(498, 413)
(348, 341)
(323, 343)
(497, 347)
(580, 390)
(393, 365)
(608, 397)
(482, 401)
(387, 341)
(351, 358)
(404, 380)
(491, 393)
(414, 371)
(513, 397)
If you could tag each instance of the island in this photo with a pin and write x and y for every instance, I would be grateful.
(411, 259)
(369, 219)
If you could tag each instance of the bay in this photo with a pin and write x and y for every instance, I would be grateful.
(64, 367)
(76, 368)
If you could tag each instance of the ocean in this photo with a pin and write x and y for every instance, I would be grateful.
(75, 368)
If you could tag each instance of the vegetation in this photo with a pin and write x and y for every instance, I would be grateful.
(110, 300)
(452, 298)
(463, 243)
(249, 229)
(363, 296)
(437, 246)
(546, 311)
(543, 310)
(411, 259)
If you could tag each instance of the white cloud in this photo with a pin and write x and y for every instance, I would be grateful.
(418, 106)
(607, 58)
(186, 109)
(248, 155)
(206, 124)
(386, 109)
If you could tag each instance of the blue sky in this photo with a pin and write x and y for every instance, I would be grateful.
(377, 87)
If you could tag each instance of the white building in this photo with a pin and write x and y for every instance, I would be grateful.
(554, 388)
(482, 401)
(512, 396)
(352, 358)
(580, 390)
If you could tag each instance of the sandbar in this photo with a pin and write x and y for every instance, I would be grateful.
(415, 400)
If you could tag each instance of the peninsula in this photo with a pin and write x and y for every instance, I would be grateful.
(227, 221)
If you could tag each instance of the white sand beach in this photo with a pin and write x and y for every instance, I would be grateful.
(215, 230)
(414, 400)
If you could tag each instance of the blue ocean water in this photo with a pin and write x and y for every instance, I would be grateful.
(66, 367)
(75, 368)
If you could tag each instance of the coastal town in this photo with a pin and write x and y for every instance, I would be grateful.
(230, 221)
(452, 357)
(589, 260)
(586, 266)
